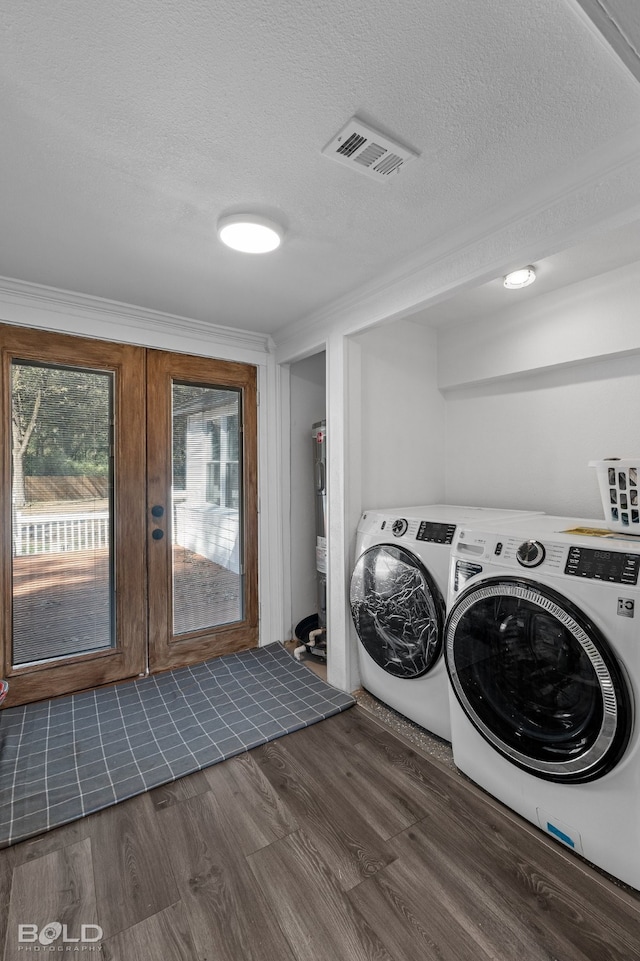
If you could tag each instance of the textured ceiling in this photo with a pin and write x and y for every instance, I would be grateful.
(129, 128)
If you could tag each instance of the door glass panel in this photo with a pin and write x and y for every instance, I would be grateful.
(207, 518)
(62, 508)
(397, 611)
(528, 678)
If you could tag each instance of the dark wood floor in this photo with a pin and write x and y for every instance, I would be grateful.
(337, 843)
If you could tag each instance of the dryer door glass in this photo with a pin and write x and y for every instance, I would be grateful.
(398, 610)
(538, 680)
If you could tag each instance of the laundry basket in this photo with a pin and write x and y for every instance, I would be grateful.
(618, 482)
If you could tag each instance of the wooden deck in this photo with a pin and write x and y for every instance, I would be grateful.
(62, 605)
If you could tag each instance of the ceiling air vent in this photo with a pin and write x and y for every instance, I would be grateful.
(364, 149)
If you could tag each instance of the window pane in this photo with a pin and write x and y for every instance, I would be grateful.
(207, 521)
(62, 495)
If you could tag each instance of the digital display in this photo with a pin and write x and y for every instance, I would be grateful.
(613, 566)
(436, 533)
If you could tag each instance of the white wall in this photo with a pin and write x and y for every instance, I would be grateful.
(578, 323)
(521, 442)
(537, 391)
(307, 391)
(394, 453)
(402, 417)
(526, 442)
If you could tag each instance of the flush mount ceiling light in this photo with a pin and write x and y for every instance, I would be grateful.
(520, 278)
(249, 233)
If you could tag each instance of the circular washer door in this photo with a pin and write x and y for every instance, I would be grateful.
(398, 610)
(538, 680)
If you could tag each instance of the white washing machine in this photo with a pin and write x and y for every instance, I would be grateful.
(398, 599)
(543, 653)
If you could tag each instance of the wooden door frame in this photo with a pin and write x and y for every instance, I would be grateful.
(165, 649)
(128, 658)
(139, 401)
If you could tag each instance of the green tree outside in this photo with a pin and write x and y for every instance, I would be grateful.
(61, 423)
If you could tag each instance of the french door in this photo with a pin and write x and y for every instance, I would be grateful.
(202, 508)
(129, 511)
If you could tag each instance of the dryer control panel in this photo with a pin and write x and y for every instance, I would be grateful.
(436, 533)
(411, 528)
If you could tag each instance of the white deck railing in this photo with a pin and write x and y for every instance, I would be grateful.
(58, 533)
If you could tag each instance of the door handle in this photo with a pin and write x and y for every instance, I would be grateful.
(157, 511)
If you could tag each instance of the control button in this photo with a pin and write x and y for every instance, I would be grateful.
(498, 549)
(530, 554)
(399, 527)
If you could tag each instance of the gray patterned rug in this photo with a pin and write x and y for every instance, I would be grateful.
(71, 756)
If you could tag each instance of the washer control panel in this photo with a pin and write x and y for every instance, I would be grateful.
(609, 560)
(600, 564)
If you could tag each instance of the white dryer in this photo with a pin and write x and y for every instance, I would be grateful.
(543, 653)
(398, 604)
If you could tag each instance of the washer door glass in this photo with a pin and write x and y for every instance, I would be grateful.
(397, 610)
(538, 680)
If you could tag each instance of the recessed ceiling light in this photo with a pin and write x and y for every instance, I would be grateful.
(520, 278)
(249, 233)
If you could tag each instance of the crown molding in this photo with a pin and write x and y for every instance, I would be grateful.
(604, 193)
(36, 305)
(605, 23)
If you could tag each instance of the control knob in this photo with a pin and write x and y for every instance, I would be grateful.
(530, 554)
(399, 527)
